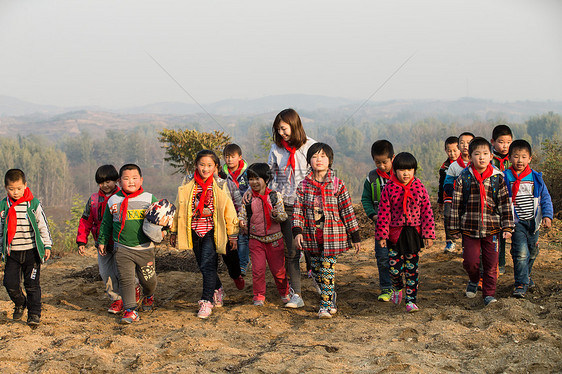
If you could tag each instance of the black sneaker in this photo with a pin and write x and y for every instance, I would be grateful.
(18, 312)
(33, 320)
(520, 291)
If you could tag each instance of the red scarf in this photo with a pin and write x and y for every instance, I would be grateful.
(480, 178)
(518, 178)
(383, 174)
(12, 216)
(237, 172)
(205, 187)
(266, 205)
(291, 150)
(124, 206)
(502, 161)
(460, 161)
(106, 197)
(407, 192)
(321, 186)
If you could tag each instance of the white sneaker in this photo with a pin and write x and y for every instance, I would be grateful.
(324, 314)
(295, 302)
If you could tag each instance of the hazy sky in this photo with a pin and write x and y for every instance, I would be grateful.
(95, 52)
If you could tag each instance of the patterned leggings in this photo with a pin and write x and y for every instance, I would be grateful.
(324, 270)
(407, 264)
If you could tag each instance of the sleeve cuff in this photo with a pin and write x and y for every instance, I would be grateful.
(355, 237)
(297, 231)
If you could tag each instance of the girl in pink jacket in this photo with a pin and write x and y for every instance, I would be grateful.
(261, 217)
(406, 225)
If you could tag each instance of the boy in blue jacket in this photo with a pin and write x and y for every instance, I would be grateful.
(532, 206)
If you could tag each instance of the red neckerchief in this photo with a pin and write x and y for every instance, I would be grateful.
(204, 186)
(266, 205)
(407, 192)
(502, 161)
(383, 174)
(460, 161)
(291, 150)
(12, 216)
(480, 178)
(518, 178)
(237, 172)
(321, 186)
(106, 197)
(124, 206)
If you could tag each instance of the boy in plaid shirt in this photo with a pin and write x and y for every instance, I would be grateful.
(481, 212)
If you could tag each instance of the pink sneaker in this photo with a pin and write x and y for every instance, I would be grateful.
(396, 296)
(205, 309)
(116, 307)
(218, 297)
(411, 307)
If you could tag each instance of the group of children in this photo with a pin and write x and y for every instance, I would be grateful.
(270, 212)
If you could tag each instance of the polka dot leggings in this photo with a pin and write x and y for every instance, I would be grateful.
(406, 264)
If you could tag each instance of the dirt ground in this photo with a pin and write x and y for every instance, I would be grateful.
(450, 333)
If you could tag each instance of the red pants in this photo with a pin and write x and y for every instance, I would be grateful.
(274, 255)
(471, 256)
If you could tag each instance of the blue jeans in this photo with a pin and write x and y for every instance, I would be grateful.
(207, 260)
(243, 251)
(524, 251)
(381, 255)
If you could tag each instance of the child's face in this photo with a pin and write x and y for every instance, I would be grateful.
(481, 158)
(108, 186)
(502, 143)
(404, 176)
(383, 163)
(464, 141)
(232, 161)
(16, 189)
(257, 184)
(520, 158)
(453, 151)
(131, 181)
(284, 130)
(206, 167)
(319, 161)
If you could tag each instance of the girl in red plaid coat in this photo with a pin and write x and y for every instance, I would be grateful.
(324, 222)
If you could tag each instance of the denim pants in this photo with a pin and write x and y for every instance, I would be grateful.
(292, 253)
(524, 251)
(501, 252)
(381, 254)
(208, 260)
(26, 265)
(243, 251)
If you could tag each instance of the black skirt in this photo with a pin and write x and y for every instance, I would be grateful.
(409, 241)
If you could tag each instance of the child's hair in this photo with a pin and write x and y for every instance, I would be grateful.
(382, 148)
(478, 142)
(451, 140)
(260, 170)
(14, 175)
(207, 153)
(106, 173)
(501, 130)
(232, 149)
(466, 133)
(129, 167)
(405, 160)
(518, 145)
(290, 117)
(317, 147)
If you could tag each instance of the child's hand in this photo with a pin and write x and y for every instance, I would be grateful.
(101, 250)
(82, 250)
(47, 254)
(546, 222)
(233, 243)
(298, 241)
(242, 224)
(428, 243)
(357, 247)
(173, 239)
(506, 235)
(247, 197)
(374, 218)
(382, 243)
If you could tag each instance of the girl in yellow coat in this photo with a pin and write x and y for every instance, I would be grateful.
(205, 221)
